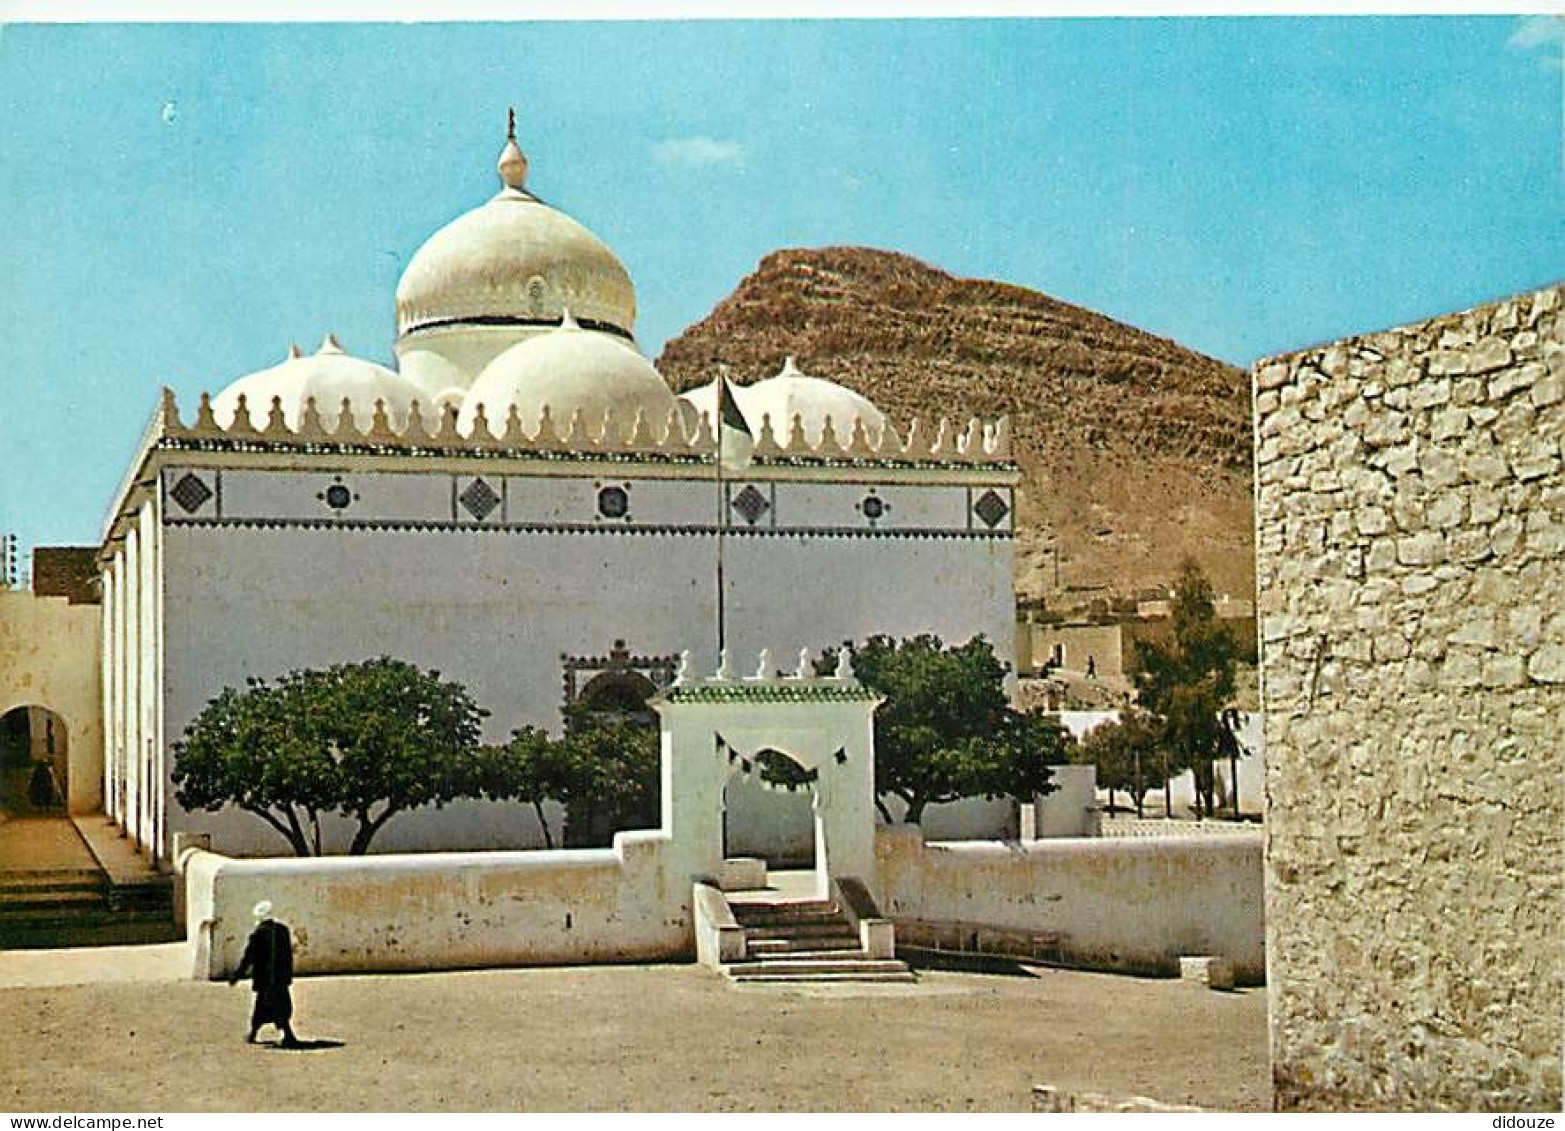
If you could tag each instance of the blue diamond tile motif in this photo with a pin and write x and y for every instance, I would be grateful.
(991, 508)
(479, 499)
(191, 493)
(751, 505)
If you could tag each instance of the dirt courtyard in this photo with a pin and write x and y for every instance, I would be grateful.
(633, 1038)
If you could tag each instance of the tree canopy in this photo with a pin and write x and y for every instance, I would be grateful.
(366, 740)
(605, 769)
(1125, 753)
(947, 729)
(1188, 681)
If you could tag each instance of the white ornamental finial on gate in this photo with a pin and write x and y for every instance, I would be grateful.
(723, 670)
(844, 666)
(682, 673)
(803, 670)
(763, 670)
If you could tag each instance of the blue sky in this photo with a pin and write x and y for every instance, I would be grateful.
(181, 202)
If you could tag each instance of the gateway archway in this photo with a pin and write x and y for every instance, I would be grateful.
(769, 810)
(34, 762)
(824, 724)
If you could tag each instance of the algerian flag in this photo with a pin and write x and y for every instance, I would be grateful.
(734, 440)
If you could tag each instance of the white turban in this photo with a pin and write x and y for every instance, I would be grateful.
(263, 910)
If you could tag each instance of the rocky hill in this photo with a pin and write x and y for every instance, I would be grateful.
(1135, 450)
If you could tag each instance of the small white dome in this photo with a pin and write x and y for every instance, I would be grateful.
(328, 375)
(792, 393)
(570, 369)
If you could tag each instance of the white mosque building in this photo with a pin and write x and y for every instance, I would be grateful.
(524, 505)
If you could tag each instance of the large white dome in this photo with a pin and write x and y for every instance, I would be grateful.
(514, 261)
(328, 375)
(570, 369)
(792, 393)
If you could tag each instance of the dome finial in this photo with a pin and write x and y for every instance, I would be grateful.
(512, 163)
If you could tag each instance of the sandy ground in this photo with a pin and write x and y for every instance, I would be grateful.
(640, 1038)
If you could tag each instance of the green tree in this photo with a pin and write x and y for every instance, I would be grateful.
(947, 729)
(532, 768)
(615, 774)
(1187, 681)
(1125, 753)
(367, 740)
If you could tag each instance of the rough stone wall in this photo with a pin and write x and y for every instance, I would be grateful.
(1411, 553)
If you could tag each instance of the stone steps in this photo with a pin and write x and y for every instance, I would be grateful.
(795, 941)
(831, 944)
(904, 976)
(81, 907)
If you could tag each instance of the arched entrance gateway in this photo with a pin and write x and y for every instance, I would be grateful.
(816, 732)
(34, 762)
(769, 809)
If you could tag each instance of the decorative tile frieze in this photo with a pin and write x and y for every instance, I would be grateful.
(751, 504)
(991, 509)
(191, 492)
(479, 499)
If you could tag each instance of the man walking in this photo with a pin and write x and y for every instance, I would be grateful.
(269, 961)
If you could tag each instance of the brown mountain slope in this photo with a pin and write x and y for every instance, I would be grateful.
(1134, 449)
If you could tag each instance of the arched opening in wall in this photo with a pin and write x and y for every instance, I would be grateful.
(613, 734)
(622, 694)
(769, 809)
(33, 762)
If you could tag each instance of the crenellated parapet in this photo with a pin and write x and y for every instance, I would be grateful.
(683, 436)
(766, 682)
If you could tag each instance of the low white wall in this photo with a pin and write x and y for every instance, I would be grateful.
(445, 910)
(1071, 810)
(1133, 905)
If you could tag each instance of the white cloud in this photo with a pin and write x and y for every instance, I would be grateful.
(1537, 31)
(698, 152)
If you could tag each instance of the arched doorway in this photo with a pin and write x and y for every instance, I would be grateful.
(769, 805)
(617, 732)
(34, 762)
(622, 693)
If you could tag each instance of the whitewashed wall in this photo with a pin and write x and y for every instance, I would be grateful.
(264, 576)
(1134, 905)
(48, 654)
(444, 911)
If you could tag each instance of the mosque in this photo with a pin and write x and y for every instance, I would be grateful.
(524, 505)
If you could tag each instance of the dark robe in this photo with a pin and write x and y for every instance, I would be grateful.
(269, 961)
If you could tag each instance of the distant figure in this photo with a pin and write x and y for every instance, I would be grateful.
(1092, 668)
(40, 786)
(269, 960)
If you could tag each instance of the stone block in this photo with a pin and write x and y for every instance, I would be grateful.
(1211, 971)
(1421, 549)
(1272, 376)
(1478, 629)
(1488, 355)
(1547, 664)
(1429, 393)
(1382, 555)
(1547, 390)
(1504, 383)
(1502, 671)
(1439, 467)
(1445, 511)
(742, 873)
